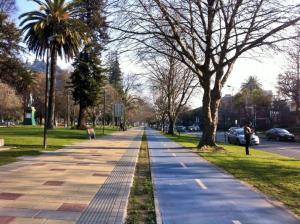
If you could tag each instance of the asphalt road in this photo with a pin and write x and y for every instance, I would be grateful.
(290, 149)
(190, 190)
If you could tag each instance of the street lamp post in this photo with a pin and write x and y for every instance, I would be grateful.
(104, 107)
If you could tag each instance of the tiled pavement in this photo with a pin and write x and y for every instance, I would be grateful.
(67, 186)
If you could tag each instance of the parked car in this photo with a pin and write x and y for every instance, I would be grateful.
(232, 128)
(193, 128)
(236, 136)
(180, 129)
(280, 134)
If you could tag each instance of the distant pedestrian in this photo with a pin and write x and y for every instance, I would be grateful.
(122, 127)
(248, 131)
(91, 133)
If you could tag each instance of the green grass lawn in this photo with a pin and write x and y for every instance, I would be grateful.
(274, 175)
(25, 140)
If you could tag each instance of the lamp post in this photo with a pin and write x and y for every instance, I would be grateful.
(104, 111)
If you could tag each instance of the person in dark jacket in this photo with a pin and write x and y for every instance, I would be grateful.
(248, 131)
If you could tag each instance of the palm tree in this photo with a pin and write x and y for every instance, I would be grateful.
(251, 84)
(53, 27)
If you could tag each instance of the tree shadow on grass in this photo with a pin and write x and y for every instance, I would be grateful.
(38, 147)
(11, 155)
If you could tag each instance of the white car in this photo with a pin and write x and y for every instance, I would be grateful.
(236, 136)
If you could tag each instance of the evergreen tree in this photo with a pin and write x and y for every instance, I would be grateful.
(115, 73)
(87, 79)
(9, 49)
(13, 71)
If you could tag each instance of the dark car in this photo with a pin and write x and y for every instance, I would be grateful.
(180, 129)
(280, 134)
(193, 128)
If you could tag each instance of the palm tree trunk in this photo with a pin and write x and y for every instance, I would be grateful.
(51, 100)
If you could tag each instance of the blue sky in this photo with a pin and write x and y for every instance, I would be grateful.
(25, 6)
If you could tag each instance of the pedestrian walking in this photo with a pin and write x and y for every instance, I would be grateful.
(248, 131)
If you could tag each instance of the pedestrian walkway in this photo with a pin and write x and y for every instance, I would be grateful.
(189, 190)
(85, 183)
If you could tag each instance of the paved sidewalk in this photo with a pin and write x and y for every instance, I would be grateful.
(192, 191)
(85, 183)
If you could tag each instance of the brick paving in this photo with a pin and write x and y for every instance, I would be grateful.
(62, 187)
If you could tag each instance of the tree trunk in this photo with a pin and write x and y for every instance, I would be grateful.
(51, 100)
(24, 105)
(82, 117)
(211, 102)
(163, 124)
(297, 111)
(298, 88)
(94, 120)
(171, 124)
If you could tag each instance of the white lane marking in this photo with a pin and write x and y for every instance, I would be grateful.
(173, 154)
(183, 165)
(201, 184)
(236, 222)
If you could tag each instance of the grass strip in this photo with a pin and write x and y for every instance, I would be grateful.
(28, 140)
(274, 175)
(141, 200)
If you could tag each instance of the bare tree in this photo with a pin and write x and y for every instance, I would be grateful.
(7, 6)
(287, 86)
(11, 103)
(208, 37)
(130, 94)
(289, 81)
(160, 109)
(175, 83)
